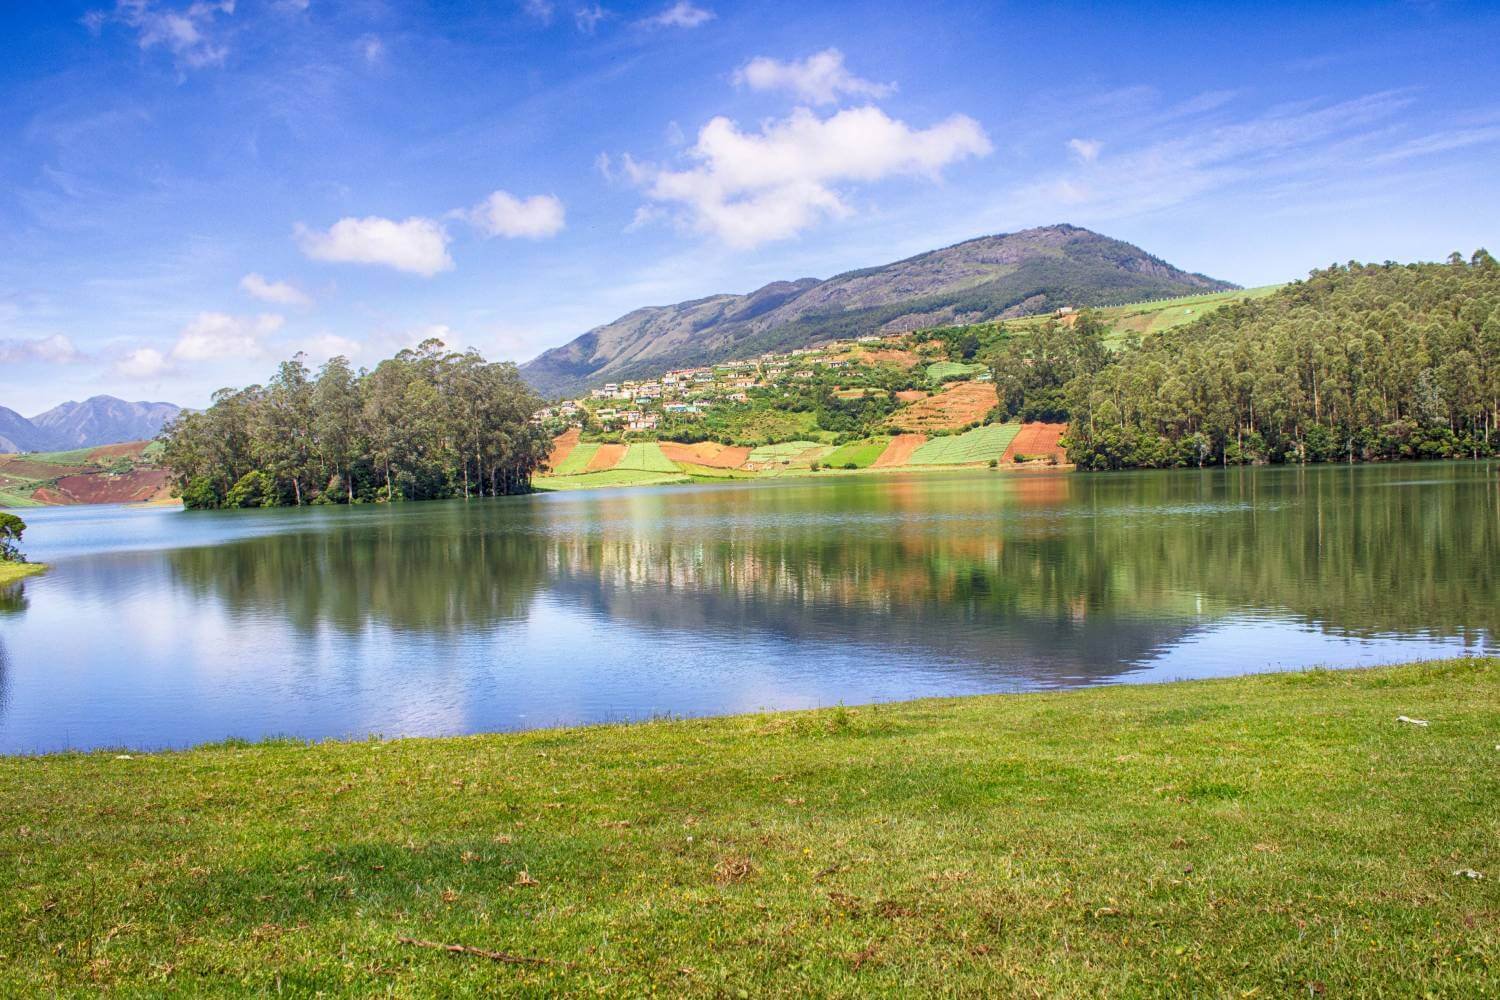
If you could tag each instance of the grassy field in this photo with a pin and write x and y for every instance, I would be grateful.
(606, 478)
(647, 457)
(978, 445)
(860, 454)
(1283, 835)
(940, 370)
(784, 452)
(577, 460)
(10, 572)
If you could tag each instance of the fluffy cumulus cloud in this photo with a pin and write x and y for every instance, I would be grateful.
(416, 245)
(330, 345)
(53, 350)
(215, 336)
(143, 362)
(184, 31)
(820, 79)
(279, 293)
(503, 214)
(749, 188)
(680, 15)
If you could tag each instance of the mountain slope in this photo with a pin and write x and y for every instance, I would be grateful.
(99, 420)
(1013, 274)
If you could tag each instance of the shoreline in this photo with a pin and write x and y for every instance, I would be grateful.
(1227, 835)
(11, 572)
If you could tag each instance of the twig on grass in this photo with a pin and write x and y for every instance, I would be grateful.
(468, 949)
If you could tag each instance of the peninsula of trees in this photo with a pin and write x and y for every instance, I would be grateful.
(426, 424)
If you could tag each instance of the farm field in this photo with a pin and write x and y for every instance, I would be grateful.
(899, 451)
(860, 454)
(706, 453)
(978, 445)
(562, 447)
(1038, 440)
(646, 456)
(605, 458)
(576, 460)
(1262, 836)
(119, 473)
(957, 406)
(605, 479)
(940, 371)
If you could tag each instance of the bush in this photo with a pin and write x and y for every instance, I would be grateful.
(995, 463)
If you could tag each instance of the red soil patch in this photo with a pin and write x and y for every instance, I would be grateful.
(706, 453)
(130, 449)
(899, 450)
(28, 469)
(911, 395)
(1037, 439)
(957, 406)
(607, 457)
(99, 487)
(562, 445)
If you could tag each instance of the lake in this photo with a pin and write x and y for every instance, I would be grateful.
(163, 628)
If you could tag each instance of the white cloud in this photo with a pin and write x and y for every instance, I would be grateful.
(186, 32)
(820, 78)
(214, 336)
(606, 167)
(53, 350)
(680, 15)
(541, 10)
(371, 48)
(280, 293)
(503, 214)
(750, 188)
(330, 345)
(417, 245)
(1086, 150)
(143, 362)
(587, 18)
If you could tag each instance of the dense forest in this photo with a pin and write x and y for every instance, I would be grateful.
(1361, 362)
(426, 424)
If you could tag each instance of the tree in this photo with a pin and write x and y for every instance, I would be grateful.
(11, 529)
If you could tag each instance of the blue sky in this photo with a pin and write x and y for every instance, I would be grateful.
(192, 190)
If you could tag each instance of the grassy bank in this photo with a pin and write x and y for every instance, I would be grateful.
(10, 572)
(1268, 836)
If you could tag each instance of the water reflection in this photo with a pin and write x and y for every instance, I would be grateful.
(454, 617)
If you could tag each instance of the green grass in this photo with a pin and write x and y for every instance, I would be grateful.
(576, 460)
(1272, 836)
(606, 478)
(10, 498)
(978, 445)
(646, 457)
(77, 456)
(10, 572)
(938, 371)
(860, 454)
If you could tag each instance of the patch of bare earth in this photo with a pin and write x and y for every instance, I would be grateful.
(710, 454)
(101, 487)
(109, 452)
(607, 457)
(956, 407)
(899, 451)
(562, 446)
(1038, 440)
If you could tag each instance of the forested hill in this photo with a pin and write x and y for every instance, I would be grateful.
(1010, 275)
(1358, 362)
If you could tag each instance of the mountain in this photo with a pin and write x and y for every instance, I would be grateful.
(1004, 276)
(96, 421)
(19, 434)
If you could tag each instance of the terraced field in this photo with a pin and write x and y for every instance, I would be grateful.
(940, 371)
(971, 447)
(576, 460)
(780, 453)
(957, 406)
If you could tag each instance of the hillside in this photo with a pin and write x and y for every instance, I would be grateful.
(99, 420)
(118, 473)
(1004, 276)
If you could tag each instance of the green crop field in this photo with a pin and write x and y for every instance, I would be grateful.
(607, 478)
(577, 460)
(978, 445)
(784, 452)
(941, 370)
(646, 457)
(860, 454)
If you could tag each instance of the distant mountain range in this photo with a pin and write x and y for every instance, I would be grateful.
(96, 421)
(1005, 276)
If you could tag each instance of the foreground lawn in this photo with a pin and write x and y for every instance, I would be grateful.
(10, 572)
(1282, 835)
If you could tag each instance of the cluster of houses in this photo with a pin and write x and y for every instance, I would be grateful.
(640, 405)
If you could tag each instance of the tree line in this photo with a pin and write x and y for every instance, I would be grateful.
(1360, 362)
(426, 424)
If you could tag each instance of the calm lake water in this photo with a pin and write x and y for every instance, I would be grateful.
(164, 629)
